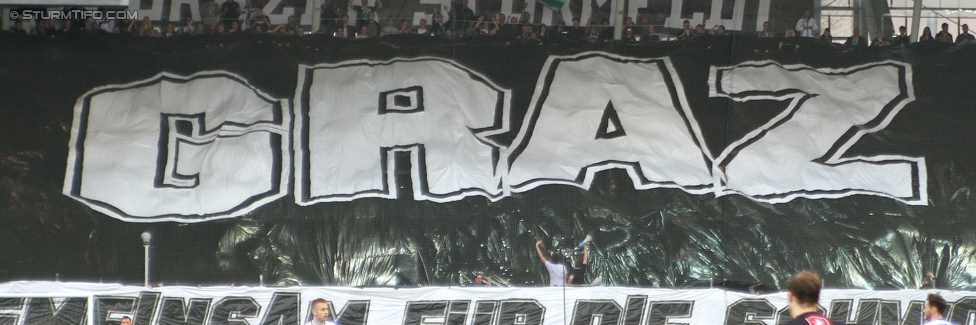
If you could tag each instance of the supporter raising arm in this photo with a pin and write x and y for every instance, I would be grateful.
(558, 275)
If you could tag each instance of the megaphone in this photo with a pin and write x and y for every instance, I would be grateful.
(588, 239)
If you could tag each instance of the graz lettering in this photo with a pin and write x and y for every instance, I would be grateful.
(211, 146)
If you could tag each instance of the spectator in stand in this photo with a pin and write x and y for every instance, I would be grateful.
(826, 38)
(170, 30)
(576, 30)
(965, 36)
(219, 29)
(461, 16)
(592, 32)
(189, 27)
(935, 310)
(717, 30)
(928, 282)
(558, 274)
(291, 27)
(201, 29)
(105, 24)
(650, 36)
(126, 320)
(926, 36)
(18, 28)
(480, 281)
(404, 27)
(789, 41)
(544, 33)
(363, 32)
(422, 28)
(247, 14)
(628, 35)
(766, 32)
(340, 32)
(260, 19)
(210, 14)
(807, 26)
(373, 25)
(606, 32)
(68, 27)
(944, 36)
(363, 10)
(145, 28)
(856, 40)
(230, 11)
(880, 40)
(390, 27)
(234, 27)
(699, 30)
(686, 32)
(902, 38)
(437, 28)
(94, 27)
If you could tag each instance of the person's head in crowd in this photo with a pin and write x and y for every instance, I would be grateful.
(628, 21)
(526, 30)
(526, 17)
(945, 27)
(479, 279)
(115, 30)
(686, 25)
(765, 27)
(340, 32)
(423, 23)
(363, 32)
(856, 32)
(448, 33)
(965, 28)
(826, 33)
(93, 26)
(804, 293)
(390, 22)
(576, 22)
(300, 30)
(67, 25)
(220, 29)
(170, 29)
(320, 310)
(235, 26)
(404, 25)
(628, 33)
(514, 20)
(927, 32)
(500, 18)
(201, 30)
(345, 20)
(806, 14)
(258, 28)
(650, 30)
(700, 29)
(364, 3)
(790, 33)
(439, 18)
(126, 320)
(543, 29)
(902, 31)
(259, 11)
(719, 30)
(935, 307)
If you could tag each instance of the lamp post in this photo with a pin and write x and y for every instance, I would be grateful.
(146, 238)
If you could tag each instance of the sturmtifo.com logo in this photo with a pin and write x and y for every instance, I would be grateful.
(76, 14)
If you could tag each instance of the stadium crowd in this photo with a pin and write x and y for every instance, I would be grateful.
(454, 21)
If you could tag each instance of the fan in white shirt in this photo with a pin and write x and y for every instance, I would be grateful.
(320, 313)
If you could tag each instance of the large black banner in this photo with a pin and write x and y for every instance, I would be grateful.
(411, 160)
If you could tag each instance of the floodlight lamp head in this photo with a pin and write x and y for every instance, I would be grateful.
(146, 237)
